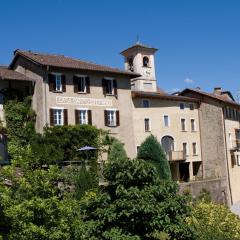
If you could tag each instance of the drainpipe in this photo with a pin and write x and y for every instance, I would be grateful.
(200, 134)
(226, 154)
(45, 96)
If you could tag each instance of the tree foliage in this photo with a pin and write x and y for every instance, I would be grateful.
(135, 205)
(214, 221)
(117, 151)
(151, 151)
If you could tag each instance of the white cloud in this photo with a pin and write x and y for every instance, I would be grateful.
(188, 81)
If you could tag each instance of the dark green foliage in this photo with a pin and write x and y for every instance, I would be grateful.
(151, 151)
(117, 151)
(135, 205)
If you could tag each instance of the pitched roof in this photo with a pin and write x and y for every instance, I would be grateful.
(8, 74)
(62, 61)
(221, 98)
(139, 45)
(162, 95)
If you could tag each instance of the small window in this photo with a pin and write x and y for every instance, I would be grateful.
(183, 124)
(147, 124)
(191, 106)
(166, 120)
(130, 64)
(238, 160)
(58, 82)
(185, 150)
(83, 117)
(82, 84)
(194, 146)
(145, 61)
(193, 125)
(111, 118)
(146, 103)
(109, 87)
(58, 116)
(182, 106)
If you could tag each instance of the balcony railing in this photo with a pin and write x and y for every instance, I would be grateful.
(177, 156)
(235, 144)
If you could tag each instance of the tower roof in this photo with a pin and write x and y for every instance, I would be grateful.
(138, 46)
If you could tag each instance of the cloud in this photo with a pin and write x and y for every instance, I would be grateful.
(188, 81)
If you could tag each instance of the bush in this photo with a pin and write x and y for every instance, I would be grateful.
(214, 221)
(151, 151)
(117, 151)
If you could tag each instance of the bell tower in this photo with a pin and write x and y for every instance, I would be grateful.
(139, 58)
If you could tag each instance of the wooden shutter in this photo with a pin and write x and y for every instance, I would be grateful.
(115, 87)
(87, 81)
(63, 79)
(65, 115)
(89, 117)
(51, 114)
(105, 118)
(104, 86)
(117, 118)
(51, 82)
(75, 84)
(77, 117)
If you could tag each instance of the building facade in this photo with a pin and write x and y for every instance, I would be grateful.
(198, 131)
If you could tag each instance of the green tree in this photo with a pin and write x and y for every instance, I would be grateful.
(136, 204)
(214, 221)
(117, 151)
(151, 151)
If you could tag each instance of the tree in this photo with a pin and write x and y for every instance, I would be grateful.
(135, 205)
(214, 221)
(117, 151)
(151, 151)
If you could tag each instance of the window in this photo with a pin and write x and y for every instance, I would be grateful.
(112, 118)
(58, 82)
(185, 150)
(166, 120)
(81, 84)
(109, 86)
(58, 116)
(194, 146)
(83, 118)
(145, 61)
(183, 124)
(130, 64)
(182, 106)
(191, 106)
(193, 125)
(147, 124)
(146, 103)
(238, 160)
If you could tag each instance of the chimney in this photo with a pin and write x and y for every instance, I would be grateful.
(217, 90)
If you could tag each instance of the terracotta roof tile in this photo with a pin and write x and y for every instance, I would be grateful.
(68, 62)
(7, 74)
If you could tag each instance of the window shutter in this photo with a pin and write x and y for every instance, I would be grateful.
(51, 114)
(89, 117)
(115, 87)
(117, 118)
(87, 84)
(51, 82)
(65, 115)
(77, 117)
(75, 84)
(104, 86)
(63, 79)
(105, 118)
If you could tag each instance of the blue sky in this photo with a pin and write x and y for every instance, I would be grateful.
(198, 41)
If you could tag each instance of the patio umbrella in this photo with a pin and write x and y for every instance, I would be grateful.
(87, 148)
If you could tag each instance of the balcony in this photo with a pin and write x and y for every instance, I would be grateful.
(235, 145)
(175, 156)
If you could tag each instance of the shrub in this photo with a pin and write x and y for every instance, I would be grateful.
(151, 150)
(117, 151)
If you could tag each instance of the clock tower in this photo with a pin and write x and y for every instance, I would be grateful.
(139, 58)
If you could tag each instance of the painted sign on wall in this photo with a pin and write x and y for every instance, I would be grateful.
(84, 101)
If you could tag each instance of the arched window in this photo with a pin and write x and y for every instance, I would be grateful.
(145, 61)
(130, 64)
(167, 143)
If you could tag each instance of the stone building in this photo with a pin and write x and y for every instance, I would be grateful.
(198, 131)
